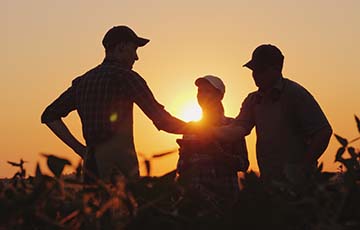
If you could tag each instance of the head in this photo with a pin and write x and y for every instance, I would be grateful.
(266, 65)
(121, 43)
(211, 91)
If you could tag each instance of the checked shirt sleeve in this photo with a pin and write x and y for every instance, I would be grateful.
(145, 99)
(245, 118)
(61, 107)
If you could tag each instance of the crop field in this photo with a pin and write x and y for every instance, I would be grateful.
(329, 201)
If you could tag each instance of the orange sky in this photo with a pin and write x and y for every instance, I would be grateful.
(45, 44)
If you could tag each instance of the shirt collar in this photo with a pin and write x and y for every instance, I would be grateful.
(278, 86)
(113, 61)
(275, 91)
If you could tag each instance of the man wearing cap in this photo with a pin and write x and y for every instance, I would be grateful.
(292, 131)
(104, 98)
(210, 167)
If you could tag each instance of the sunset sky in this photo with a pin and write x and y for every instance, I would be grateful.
(45, 44)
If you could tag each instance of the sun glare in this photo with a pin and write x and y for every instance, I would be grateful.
(191, 112)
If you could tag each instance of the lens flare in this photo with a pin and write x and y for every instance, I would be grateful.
(191, 112)
(113, 117)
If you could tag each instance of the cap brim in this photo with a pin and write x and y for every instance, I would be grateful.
(249, 64)
(200, 81)
(203, 80)
(142, 41)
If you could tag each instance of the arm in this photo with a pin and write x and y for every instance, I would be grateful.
(314, 125)
(317, 144)
(146, 101)
(241, 126)
(230, 132)
(170, 124)
(52, 115)
(59, 128)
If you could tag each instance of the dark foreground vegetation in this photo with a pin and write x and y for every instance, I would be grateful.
(329, 201)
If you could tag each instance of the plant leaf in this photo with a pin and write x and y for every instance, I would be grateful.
(342, 140)
(339, 154)
(352, 152)
(38, 172)
(357, 123)
(148, 167)
(79, 171)
(56, 164)
(320, 168)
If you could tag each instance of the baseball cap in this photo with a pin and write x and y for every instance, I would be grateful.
(214, 81)
(265, 55)
(122, 34)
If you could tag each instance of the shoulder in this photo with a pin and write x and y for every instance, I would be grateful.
(251, 99)
(77, 80)
(298, 96)
(252, 94)
(88, 74)
(130, 75)
(295, 89)
(114, 74)
(125, 77)
(135, 75)
(115, 70)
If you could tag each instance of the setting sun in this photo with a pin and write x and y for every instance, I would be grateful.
(190, 112)
(180, 51)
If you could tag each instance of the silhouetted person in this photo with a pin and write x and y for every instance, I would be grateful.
(208, 166)
(104, 98)
(292, 131)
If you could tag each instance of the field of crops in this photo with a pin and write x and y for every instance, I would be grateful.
(329, 201)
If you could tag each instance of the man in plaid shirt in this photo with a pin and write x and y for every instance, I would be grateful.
(292, 131)
(104, 99)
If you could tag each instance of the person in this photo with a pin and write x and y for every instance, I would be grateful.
(210, 168)
(292, 131)
(104, 98)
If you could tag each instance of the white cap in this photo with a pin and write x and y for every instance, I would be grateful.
(214, 81)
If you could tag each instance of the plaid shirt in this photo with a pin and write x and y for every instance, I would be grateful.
(213, 164)
(104, 98)
(285, 118)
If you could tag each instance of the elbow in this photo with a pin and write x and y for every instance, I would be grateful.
(328, 132)
(44, 117)
(47, 117)
(159, 125)
(325, 136)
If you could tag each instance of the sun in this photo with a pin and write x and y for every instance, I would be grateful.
(190, 112)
